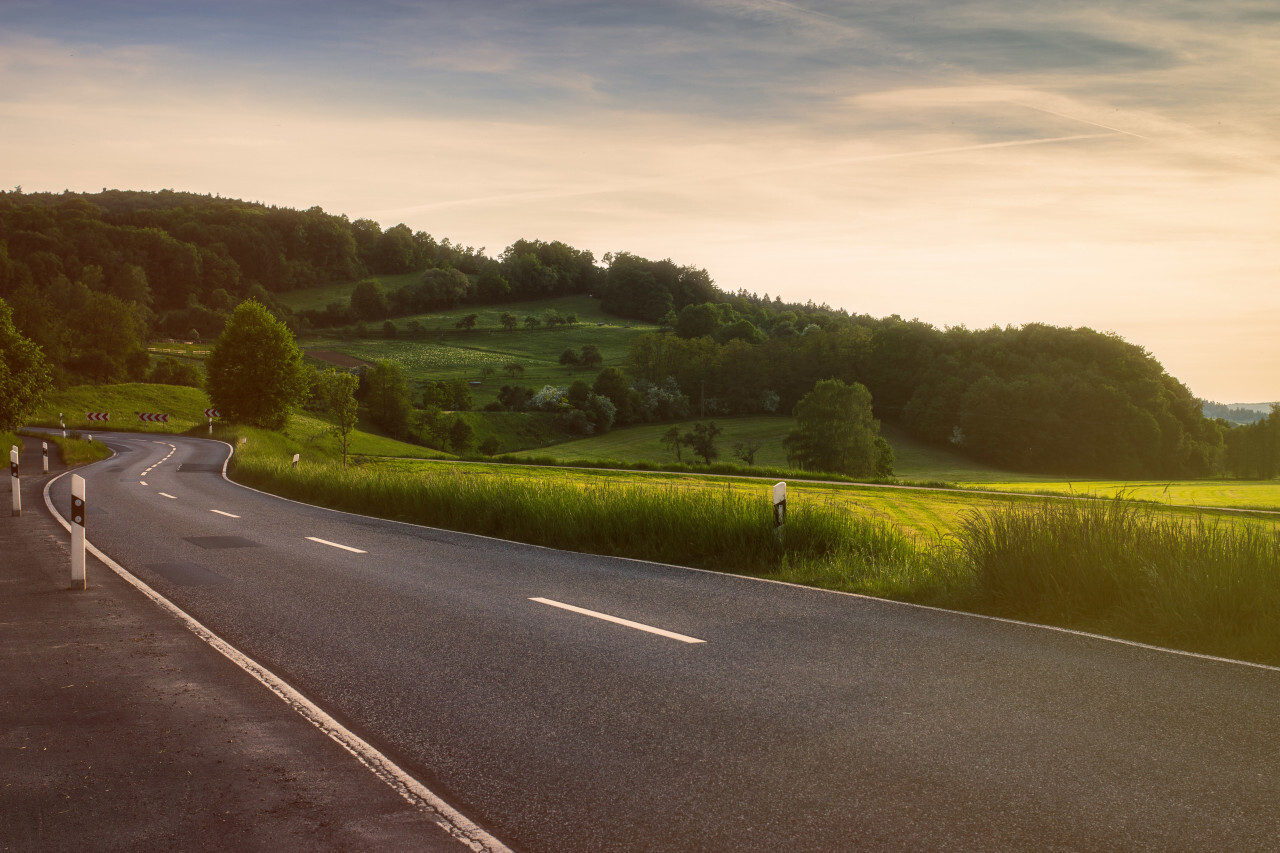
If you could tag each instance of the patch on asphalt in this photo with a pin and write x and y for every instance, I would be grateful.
(200, 468)
(186, 574)
(215, 542)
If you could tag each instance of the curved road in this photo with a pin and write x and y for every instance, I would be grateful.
(763, 717)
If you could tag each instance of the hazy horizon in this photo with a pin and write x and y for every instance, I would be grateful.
(965, 163)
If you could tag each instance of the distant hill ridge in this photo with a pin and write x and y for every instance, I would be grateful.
(92, 276)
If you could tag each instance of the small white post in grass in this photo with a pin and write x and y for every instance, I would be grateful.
(62, 424)
(44, 454)
(779, 506)
(210, 426)
(89, 438)
(13, 478)
(295, 459)
(78, 511)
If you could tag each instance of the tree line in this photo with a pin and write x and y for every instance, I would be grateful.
(90, 277)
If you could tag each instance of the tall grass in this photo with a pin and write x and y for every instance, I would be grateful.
(1196, 583)
(718, 529)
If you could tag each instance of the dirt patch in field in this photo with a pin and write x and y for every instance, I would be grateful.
(338, 358)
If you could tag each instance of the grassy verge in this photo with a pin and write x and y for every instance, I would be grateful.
(1195, 581)
(1198, 583)
(75, 450)
(719, 529)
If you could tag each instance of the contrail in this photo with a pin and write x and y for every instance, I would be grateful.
(1081, 120)
(538, 195)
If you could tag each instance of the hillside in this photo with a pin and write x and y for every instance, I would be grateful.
(91, 278)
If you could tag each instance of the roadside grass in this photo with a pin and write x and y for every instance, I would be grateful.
(9, 440)
(75, 449)
(717, 529)
(1198, 582)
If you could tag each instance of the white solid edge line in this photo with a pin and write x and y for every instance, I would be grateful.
(227, 514)
(445, 816)
(885, 602)
(627, 622)
(334, 544)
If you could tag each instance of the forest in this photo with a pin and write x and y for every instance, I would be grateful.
(90, 278)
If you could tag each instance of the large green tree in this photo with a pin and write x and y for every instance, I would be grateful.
(255, 371)
(24, 374)
(836, 432)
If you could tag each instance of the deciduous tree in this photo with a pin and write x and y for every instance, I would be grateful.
(338, 390)
(254, 371)
(836, 432)
(24, 374)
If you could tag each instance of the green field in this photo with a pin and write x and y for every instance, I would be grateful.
(629, 445)
(445, 352)
(1239, 494)
(318, 298)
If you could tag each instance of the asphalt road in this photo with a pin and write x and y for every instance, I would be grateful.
(802, 721)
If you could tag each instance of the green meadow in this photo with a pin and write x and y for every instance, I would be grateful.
(482, 354)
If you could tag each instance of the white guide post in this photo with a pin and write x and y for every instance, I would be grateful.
(78, 512)
(44, 453)
(295, 459)
(62, 424)
(779, 505)
(13, 479)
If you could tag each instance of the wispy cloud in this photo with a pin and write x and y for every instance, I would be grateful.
(967, 161)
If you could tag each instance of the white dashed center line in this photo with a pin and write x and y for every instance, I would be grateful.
(167, 495)
(227, 514)
(614, 619)
(336, 545)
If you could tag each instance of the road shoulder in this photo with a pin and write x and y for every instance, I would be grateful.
(118, 725)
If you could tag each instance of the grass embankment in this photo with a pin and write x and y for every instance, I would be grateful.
(74, 449)
(9, 440)
(720, 529)
(1199, 583)
(184, 406)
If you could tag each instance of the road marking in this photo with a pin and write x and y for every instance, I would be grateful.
(437, 810)
(336, 545)
(227, 514)
(167, 495)
(606, 617)
(142, 482)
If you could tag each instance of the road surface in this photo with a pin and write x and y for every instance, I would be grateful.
(567, 702)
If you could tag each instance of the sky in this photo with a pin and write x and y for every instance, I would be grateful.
(969, 163)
